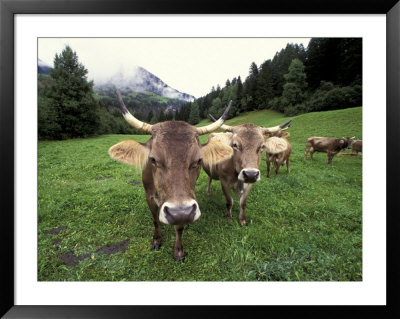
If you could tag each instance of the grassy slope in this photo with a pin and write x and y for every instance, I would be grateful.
(305, 225)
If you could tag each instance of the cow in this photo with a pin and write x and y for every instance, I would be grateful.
(356, 146)
(329, 145)
(278, 150)
(241, 170)
(171, 162)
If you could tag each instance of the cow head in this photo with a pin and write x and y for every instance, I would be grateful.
(248, 143)
(171, 159)
(346, 142)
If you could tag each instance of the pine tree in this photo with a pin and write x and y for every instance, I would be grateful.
(161, 117)
(239, 95)
(150, 116)
(194, 115)
(296, 83)
(264, 92)
(71, 95)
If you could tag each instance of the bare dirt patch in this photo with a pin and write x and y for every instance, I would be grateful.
(71, 260)
(135, 183)
(103, 178)
(56, 231)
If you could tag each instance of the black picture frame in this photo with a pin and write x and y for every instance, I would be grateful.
(9, 8)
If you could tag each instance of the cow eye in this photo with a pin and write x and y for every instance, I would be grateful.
(197, 164)
(235, 145)
(153, 161)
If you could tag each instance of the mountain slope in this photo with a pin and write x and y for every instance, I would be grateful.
(43, 67)
(139, 79)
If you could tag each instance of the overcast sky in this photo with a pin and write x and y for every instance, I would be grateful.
(190, 65)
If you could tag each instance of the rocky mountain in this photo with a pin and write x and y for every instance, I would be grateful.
(43, 67)
(143, 92)
(139, 79)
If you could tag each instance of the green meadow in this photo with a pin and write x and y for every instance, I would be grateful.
(94, 223)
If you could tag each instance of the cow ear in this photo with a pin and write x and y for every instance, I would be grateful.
(286, 134)
(214, 152)
(130, 152)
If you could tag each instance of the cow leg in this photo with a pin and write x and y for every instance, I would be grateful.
(242, 201)
(268, 167)
(306, 152)
(311, 153)
(287, 165)
(330, 156)
(179, 254)
(229, 201)
(277, 166)
(209, 186)
(156, 242)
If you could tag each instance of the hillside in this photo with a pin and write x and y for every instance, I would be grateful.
(337, 123)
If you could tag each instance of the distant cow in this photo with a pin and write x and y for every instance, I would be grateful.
(278, 150)
(356, 146)
(171, 161)
(240, 171)
(329, 145)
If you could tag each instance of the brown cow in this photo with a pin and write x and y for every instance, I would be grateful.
(356, 146)
(278, 150)
(241, 170)
(329, 145)
(171, 161)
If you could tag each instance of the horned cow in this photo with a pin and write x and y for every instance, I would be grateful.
(171, 161)
(240, 171)
(278, 150)
(329, 145)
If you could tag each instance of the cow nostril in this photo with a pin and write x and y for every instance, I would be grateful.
(178, 215)
(251, 174)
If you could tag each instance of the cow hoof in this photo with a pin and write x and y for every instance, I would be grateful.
(155, 247)
(243, 223)
(180, 259)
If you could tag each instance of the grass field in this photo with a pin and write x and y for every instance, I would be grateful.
(94, 223)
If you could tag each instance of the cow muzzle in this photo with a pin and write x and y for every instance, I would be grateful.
(179, 214)
(249, 175)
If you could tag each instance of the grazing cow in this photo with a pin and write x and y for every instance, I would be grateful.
(278, 150)
(171, 160)
(356, 146)
(329, 145)
(241, 170)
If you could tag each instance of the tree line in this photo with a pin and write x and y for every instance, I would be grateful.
(326, 75)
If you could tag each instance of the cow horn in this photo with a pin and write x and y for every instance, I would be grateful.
(223, 126)
(217, 124)
(274, 129)
(133, 121)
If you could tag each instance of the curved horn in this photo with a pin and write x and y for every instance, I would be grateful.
(274, 129)
(213, 126)
(223, 126)
(133, 121)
